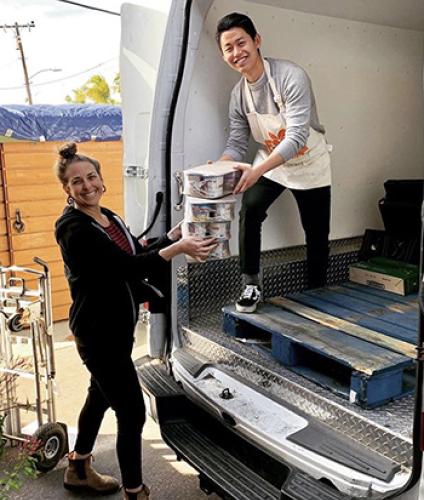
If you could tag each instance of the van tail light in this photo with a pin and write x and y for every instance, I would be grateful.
(144, 313)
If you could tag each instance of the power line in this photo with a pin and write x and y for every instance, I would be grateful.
(61, 79)
(20, 47)
(14, 60)
(89, 7)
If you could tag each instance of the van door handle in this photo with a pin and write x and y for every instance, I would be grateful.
(180, 185)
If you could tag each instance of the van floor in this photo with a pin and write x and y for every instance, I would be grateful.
(396, 415)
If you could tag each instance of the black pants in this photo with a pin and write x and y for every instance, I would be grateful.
(114, 384)
(314, 208)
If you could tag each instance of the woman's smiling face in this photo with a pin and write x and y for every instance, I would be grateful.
(84, 184)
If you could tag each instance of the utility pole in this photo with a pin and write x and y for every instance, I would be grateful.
(20, 47)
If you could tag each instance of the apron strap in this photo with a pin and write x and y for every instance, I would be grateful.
(249, 98)
(277, 96)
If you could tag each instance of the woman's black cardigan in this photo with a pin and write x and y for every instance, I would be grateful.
(106, 283)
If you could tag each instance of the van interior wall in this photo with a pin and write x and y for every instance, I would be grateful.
(367, 80)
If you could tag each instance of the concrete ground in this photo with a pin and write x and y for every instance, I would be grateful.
(166, 477)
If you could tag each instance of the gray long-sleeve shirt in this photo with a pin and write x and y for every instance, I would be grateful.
(295, 88)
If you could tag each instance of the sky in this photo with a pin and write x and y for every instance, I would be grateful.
(73, 41)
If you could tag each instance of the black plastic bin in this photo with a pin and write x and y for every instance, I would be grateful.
(401, 207)
(401, 213)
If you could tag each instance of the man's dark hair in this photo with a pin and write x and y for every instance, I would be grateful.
(234, 20)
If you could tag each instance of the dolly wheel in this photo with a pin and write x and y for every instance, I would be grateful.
(53, 445)
(15, 323)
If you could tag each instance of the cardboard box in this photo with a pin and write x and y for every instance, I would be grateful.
(386, 274)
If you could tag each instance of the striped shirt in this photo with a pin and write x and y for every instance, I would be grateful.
(118, 236)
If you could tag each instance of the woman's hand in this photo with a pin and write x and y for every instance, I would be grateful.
(249, 176)
(175, 233)
(197, 248)
(193, 246)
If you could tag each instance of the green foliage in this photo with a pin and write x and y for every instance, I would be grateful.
(116, 85)
(23, 465)
(96, 90)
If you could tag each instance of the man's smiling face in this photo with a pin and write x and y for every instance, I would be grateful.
(240, 51)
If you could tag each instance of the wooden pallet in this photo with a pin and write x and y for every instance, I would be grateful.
(380, 311)
(367, 374)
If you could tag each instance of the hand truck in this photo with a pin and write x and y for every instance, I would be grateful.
(26, 316)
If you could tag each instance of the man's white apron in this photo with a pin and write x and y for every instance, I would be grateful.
(310, 168)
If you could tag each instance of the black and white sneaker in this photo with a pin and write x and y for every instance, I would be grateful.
(249, 299)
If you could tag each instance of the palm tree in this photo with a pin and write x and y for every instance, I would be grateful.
(97, 90)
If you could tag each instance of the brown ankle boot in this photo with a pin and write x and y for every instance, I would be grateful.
(80, 475)
(141, 495)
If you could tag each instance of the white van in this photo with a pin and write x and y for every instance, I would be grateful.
(253, 427)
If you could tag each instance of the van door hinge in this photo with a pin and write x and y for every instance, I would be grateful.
(136, 171)
(420, 355)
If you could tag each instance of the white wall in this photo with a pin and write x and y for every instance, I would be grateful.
(367, 79)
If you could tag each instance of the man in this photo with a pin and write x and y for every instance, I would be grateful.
(274, 102)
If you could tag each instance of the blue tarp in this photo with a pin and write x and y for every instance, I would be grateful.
(64, 122)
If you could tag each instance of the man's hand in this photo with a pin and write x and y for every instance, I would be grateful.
(222, 158)
(249, 176)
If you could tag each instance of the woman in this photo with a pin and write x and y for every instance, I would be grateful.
(109, 274)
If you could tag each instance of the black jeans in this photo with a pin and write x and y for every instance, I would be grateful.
(114, 384)
(314, 209)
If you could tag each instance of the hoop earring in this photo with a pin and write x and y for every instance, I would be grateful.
(104, 189)
(70, 200)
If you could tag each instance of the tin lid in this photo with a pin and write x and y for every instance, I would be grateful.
(214, 169)
(204, 201)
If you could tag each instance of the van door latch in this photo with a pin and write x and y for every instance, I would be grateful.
(180, 184)
(226, 394)
(136, 171)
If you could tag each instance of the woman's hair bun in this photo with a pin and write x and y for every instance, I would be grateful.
(68, 150)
